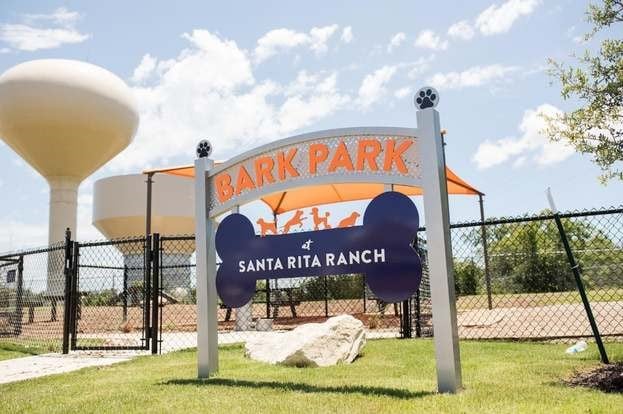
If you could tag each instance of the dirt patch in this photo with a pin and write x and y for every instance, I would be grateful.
(607, 378)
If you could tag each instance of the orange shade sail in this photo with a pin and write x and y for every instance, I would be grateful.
(309, 196)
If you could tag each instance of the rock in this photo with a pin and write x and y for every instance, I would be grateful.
(338, 340)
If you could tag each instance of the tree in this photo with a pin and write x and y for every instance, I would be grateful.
(528, 257)
(467, 277)
(597, 126)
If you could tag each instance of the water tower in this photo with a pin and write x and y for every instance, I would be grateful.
(66, 119)
(119, 205)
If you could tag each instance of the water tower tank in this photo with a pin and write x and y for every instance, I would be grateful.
(66, 119)
(119, 205)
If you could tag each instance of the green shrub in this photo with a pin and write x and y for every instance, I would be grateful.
(108, 297)
(467, 278)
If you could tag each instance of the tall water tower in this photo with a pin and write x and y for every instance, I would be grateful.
(66, 119)
(119, 205)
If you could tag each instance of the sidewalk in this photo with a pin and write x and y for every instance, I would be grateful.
(19, 369)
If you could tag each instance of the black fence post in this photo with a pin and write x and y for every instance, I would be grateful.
(68, 302)
(406, 319)
(147, 258)
(155, 287)
(267, 298)
(19, 303)
(578, 280)
(326, 297)
(363, 278)
(125, 293)
(485, 249)
(418, 315)
(76, 306)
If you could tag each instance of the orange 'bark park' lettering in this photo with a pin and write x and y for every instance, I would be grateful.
(369, 155)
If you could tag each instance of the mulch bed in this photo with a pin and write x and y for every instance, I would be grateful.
(607, 378)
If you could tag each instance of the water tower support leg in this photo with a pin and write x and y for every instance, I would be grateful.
(63, 207)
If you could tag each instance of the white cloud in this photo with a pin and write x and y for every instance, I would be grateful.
(474, 76)
(420, 66)
(374, 84)
(499, 19)
(532, 145)
(427, 39)
(60, 16)
(461, 30)
(347, 34)
(310, 97)
(278, 40)
(402, 92)
(226, 104)
(319, 36)
(145, 68)
(396, 41)
(28, 37)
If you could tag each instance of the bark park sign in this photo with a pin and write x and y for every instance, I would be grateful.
(352, 157)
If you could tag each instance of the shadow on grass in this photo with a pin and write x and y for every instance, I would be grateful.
(303, 387)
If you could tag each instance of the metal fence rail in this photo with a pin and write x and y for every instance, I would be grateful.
(511, 277)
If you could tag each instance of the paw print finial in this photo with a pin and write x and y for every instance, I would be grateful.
(204, 149)
(427, 97)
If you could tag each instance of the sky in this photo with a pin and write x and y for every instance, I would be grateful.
(246, 73)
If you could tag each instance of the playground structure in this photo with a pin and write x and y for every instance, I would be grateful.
(66, 119)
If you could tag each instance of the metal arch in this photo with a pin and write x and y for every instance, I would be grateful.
(381, 177)
(311, 136)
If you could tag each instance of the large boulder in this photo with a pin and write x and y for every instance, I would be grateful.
(338, 340)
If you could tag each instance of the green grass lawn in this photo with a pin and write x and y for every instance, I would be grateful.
(392, 376)
(10, 351)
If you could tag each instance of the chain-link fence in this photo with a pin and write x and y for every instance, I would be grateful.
(32, 297)
(512, 281)
(110, 293)
(279, 304)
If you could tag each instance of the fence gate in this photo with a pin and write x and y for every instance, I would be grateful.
(110, 301)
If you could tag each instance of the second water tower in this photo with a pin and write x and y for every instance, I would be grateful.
(119, 205)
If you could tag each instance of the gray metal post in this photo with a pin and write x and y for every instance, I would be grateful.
(485, 250)
(439, 252)
(207, 300)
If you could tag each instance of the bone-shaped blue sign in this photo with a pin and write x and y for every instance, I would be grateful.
(381, 249)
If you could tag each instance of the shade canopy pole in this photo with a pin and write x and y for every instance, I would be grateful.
(149, 182)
